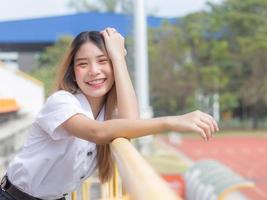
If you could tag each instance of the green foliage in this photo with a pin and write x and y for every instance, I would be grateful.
(53, 55)
(245, 21)
(168, 56)
(101, 5)
(223, 50)
(210, 79)
(46, 75)
(228, 101)
(85, 5)
(49, 60)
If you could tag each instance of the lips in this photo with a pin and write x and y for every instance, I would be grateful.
(96, 82)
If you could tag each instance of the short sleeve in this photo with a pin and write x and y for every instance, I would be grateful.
(58, 108)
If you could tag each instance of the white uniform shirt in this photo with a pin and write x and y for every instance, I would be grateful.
(52, 162)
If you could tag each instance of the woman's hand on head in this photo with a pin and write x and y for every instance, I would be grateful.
(196, 121)
(114, 42)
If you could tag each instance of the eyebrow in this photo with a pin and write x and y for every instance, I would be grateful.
(82, 59)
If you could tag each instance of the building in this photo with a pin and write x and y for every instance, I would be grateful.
(22, 40)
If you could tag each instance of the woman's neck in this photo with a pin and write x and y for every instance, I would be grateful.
(96, 104)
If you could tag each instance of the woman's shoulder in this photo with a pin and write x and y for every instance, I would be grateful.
(61, 93)
(61, 96)
(58, 102)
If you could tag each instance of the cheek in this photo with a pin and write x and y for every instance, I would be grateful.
(78, 73)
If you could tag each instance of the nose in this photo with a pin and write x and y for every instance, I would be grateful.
(94, 69)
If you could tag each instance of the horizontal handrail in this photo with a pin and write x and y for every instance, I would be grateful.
(139, 180)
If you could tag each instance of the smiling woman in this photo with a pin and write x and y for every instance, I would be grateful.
(93, 72)
(94, 103)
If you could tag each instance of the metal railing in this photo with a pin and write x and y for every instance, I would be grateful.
(133, 179)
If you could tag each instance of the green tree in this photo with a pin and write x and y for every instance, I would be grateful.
(254, 86)
(49, 60)
(208, 53)
(172, 79)
(125, 6)
(243, 24)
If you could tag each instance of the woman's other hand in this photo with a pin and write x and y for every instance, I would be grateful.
(196, 121)
(114, 42)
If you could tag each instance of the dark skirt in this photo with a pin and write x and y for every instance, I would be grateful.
(4, 195)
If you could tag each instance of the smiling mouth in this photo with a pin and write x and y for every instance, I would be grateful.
(96, 82)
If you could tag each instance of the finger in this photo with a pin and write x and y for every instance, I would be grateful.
(202, 133)
(215, 125)
(114, 30)
(105, 34)
(109, 31)
(208, 121)
(205, 128)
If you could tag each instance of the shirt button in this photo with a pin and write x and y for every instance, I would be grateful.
(82, 177)
(89, 153)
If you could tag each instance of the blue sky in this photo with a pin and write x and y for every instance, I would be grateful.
(21, 9)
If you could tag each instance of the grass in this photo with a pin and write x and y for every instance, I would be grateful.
(166, 164)
(165, 161)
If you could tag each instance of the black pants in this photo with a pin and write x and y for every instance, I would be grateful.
(4, 195)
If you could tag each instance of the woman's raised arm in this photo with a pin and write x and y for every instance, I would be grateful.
(126, 97)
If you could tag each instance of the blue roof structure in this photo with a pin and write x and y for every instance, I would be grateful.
(47, 30)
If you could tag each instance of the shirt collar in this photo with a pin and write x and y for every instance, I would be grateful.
(87, 107)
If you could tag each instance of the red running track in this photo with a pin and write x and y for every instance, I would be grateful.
(245, 155)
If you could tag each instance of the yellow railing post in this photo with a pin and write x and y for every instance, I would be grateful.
(115, 182)
(104, 190)
(88, 186)
(74, 196)
(124, 194)
(85, 190)
(139, 180)
(110, 188)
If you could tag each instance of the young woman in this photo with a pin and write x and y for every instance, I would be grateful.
(95, 102)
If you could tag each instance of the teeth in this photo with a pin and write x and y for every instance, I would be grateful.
(98, 81)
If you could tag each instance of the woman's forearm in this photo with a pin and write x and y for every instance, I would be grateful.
(196, 121)
(126, 97)
(104, 132)
(126, 128)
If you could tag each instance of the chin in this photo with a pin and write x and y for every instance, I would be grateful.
(96, 94)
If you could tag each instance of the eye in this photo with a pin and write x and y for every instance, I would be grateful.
(82, 64)
(103, 61)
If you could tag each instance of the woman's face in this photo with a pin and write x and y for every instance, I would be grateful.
(93, 71)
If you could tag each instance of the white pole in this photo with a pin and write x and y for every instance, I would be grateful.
(216, 107)
(141, 69)
(141, 58)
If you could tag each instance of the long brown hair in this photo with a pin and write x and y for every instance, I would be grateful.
(66, 81)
